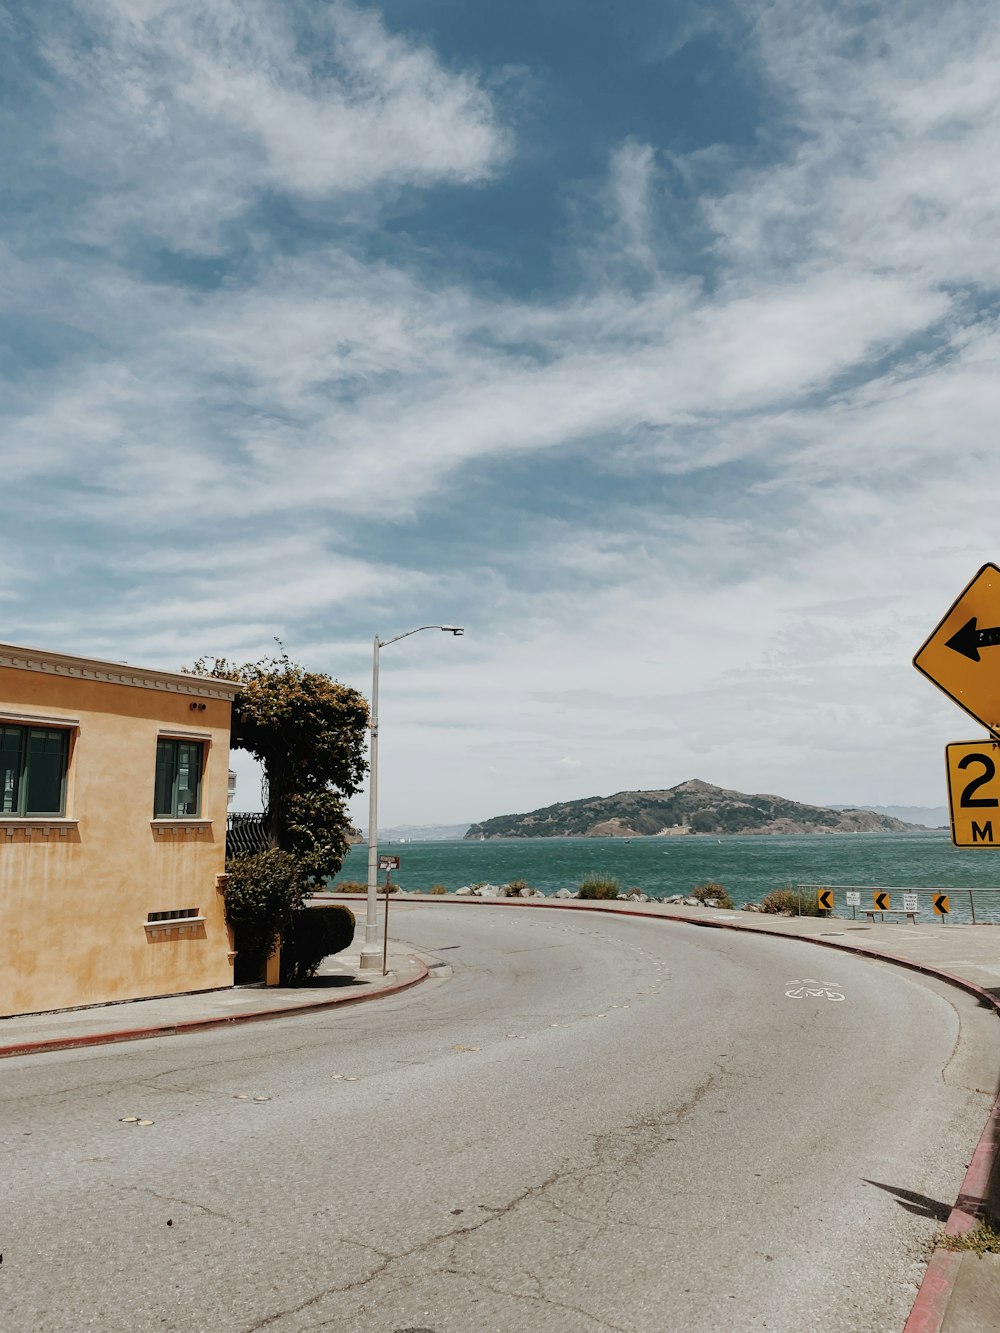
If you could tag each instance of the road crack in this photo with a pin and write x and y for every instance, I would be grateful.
(173, 1198)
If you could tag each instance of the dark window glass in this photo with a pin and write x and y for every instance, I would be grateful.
(33, 770)
(10, 769)
(177, 789)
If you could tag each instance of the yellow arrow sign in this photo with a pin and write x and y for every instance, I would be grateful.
(974, 792)
(941, 904)
(880, 900)
(824, 899)
(962, 655)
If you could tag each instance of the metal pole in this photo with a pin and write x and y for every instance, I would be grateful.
(369, 954)
(972, 907)
(385, 931)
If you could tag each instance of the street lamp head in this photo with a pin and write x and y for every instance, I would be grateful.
(452, 629)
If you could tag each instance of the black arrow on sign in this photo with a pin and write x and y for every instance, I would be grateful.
(969, 640)
(941, 903)
(882, 902)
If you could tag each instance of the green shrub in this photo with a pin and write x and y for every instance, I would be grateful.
(437, 888)
(790, 901)
(312, 935)
(261, 892)
(355, 886)
(716, 892)
(983, 1238)
(599, 886)
(513, 889)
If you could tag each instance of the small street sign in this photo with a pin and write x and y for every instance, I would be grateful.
(880, 900)
(853, 898)
(941, 904)
(962, 655)
(974, 792)
(910, 902)
(824, 899)
(388, 863)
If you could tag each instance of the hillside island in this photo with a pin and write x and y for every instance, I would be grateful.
(690, 808)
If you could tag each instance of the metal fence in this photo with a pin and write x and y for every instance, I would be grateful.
(976, 906)
(245, 834)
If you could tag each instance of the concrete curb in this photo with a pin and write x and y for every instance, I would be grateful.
(202, 1024)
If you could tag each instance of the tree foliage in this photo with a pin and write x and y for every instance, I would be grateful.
(262, 893)
(308, 732)
(312, 934)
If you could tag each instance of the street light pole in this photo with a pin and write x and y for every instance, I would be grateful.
(371, 954)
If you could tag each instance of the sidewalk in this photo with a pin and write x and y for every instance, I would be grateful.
(339, 981)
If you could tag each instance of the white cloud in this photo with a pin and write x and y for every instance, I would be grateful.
(181, 114)
(811, 422)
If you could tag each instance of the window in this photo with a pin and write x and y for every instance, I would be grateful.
(33, 770)
(178, 779)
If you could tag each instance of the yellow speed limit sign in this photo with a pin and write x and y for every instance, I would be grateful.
(974, 792)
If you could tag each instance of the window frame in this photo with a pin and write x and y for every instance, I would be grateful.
(50, 727)
(173, 744)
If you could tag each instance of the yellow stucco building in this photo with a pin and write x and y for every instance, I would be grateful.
(113, 791)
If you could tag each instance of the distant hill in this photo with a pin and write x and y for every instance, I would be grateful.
(423, 833)
(928, 816)
(689, 808)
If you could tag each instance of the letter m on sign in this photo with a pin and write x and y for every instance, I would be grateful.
(982, 832)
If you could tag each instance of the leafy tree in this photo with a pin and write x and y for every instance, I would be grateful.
(308, 732)
(263, 893)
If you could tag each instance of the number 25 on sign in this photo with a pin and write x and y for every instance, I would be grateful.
(974, 792)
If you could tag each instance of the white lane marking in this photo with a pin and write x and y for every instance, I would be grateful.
(809, 986)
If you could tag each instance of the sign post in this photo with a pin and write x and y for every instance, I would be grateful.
(386, 863)
(853, 902)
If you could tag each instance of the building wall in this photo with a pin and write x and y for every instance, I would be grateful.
(74, 896)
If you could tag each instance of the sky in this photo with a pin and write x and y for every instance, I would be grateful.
(654, 343)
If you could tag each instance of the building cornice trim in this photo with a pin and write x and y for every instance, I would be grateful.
(114, 673)
(38, 719)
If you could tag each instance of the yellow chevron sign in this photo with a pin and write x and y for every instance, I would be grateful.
(941, 904)
(880, 900)
(824, 899)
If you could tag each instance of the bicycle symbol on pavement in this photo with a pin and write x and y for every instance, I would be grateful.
(810, 987)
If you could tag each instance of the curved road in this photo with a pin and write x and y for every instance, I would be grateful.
(582, 1123)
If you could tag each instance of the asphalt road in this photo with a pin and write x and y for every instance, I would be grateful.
(590, 1124)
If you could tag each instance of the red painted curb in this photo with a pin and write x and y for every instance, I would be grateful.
(931, 1305)
(202, 1024)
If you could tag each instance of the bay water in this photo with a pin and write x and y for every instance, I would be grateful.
(748, 867)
